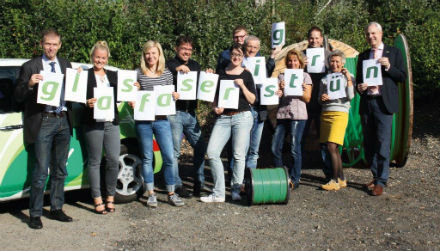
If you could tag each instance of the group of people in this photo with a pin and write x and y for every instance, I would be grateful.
(47, 129)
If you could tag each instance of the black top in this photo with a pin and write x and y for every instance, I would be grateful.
(172, 64)
(243, 104)
(87, 115)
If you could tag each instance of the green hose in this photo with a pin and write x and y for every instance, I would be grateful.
(268, 185)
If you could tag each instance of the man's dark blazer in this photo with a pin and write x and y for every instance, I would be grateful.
(33, 112)
(389, 89)
(87, 117)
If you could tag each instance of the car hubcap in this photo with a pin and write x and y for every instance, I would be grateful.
(129, 176)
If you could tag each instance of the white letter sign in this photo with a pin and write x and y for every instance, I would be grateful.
(315, 60)
(104, 108)
(371, 72)
(126, 88)
(268, 94)
(165, 103)
(144, 109)
(336, 86)
(257, 67)
(207, 86)
(293, 80)
(76, 85)
(49, 89)
(187, 85)
(228, 94)
(278, 34)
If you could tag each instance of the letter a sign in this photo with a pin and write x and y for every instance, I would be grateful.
(104, 107)
(336, 86)
(371, 72)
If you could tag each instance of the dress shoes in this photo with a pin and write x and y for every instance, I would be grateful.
(35, 223)
(59, 215)
(377, 191)
(369, 186)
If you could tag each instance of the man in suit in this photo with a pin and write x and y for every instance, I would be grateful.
(47, 130)
(378, 103)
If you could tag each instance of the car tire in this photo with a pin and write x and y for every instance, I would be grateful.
(130, 182)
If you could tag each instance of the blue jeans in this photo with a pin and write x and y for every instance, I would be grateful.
(51, 151)
(296, 132)
(238, 126)
(186, 123)
(376, 127)
(162, 133)
(254, 145)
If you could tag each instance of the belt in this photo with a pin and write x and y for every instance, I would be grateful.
(373, 96)
(231, 113)
(160, 117)
(55, 115)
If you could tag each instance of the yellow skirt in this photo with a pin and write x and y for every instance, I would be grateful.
(333, 125)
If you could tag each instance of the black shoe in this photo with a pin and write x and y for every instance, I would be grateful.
(35, 223)
(183, 192)
(59, 215)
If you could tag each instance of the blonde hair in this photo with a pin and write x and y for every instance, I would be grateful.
(99, 45)
(160, 65)
(298, 55)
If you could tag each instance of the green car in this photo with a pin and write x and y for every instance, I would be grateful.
(16, 163)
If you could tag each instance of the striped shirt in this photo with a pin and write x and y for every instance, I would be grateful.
(148, 83)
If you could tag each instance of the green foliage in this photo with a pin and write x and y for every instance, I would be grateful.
(127, 24)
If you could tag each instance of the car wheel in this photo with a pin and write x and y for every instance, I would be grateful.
(130, 181)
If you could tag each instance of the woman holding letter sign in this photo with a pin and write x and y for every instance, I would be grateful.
(152, 72)
(101, 133)
(235, 123)
(292, 114)
(335, 92)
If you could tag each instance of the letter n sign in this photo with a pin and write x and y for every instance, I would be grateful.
(371, 72)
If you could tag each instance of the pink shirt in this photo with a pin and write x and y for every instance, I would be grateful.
(292, 107)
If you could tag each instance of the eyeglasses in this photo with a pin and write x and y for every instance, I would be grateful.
(235, 55)
(237, 37)
(185, 49)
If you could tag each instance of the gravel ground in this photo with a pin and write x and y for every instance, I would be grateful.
(405, 217)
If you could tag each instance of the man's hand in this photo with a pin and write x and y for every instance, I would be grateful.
(218, 110)
(183, 68)
(35, 78)
(91, 102)
(362, 87)
(384, 61)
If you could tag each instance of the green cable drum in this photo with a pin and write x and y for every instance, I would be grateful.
(267, 185)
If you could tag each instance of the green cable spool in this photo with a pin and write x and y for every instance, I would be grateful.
(268, 185)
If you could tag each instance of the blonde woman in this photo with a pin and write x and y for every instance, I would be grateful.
(152, 72)
(101, 134)
(292, 117)
(334, 119)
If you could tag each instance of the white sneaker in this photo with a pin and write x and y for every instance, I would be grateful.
(235, 196)
(212, 198)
